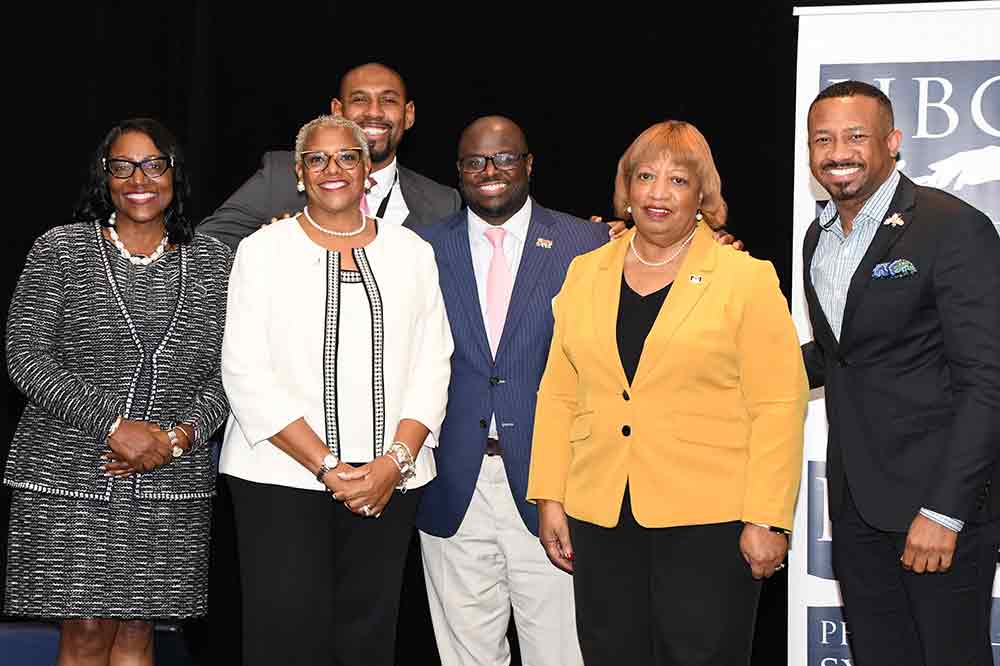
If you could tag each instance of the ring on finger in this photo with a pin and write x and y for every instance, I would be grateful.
(779, 567)
(367, 510)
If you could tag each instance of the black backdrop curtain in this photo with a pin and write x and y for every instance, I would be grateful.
(235, 80)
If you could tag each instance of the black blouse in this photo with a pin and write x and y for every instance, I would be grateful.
(636, 315)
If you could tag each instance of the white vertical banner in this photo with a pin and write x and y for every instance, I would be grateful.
(939, 63)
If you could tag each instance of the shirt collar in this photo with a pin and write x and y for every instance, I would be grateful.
(517, 225)
(384, 178)
(873, 210)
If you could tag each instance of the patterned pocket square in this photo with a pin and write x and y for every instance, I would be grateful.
(892, 270)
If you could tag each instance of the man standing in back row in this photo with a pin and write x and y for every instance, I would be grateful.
(374, 96)
(903, 289)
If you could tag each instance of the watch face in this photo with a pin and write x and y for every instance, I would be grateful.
(177, 451)
(330, 460)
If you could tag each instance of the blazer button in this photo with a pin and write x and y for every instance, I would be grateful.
(625, 396)
(482, 423)
(494, 381)
(626, 430)
(842, 362)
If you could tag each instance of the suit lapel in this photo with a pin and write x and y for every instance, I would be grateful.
(412, 197)
(817, 316)
(607, 296)
(457, 254)
(534, 260)
(684, 295)
(886, 236)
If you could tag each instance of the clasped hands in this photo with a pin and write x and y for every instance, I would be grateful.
(138, 446)
(365, 486)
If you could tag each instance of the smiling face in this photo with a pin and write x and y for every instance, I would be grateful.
(495, 194)
(852, 148)
(664, 195)
(333, 188)
(139, 198)
(374, 97)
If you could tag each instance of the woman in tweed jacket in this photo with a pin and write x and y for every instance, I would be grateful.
(114, 336)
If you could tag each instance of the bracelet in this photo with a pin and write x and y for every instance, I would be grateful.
(400, 454)
(183, 429)
(115, 426)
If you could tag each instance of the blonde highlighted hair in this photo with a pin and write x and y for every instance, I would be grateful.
(681, 142)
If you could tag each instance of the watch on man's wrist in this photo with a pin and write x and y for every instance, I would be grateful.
(176, 450)
(330, 461)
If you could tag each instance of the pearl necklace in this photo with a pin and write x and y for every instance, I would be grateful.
(655, 264)
(138, 261)
(340, 234)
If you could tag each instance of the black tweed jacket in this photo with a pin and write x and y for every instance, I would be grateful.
(72, 349)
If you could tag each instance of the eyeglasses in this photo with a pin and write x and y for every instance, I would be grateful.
(154, 167)
(477, 163)
(317, 160)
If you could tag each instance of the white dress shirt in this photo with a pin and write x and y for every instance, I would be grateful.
(396, 210)
(352, 357)
(482, 253)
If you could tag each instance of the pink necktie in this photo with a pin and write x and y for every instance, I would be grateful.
(364, 197)
(498, 286)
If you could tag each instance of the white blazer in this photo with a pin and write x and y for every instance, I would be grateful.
(384, 330)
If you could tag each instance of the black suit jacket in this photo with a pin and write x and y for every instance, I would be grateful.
(913, 386)
(271, 191)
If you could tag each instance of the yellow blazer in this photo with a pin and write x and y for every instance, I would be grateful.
(715, 414)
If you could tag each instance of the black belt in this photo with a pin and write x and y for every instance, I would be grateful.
(493, 447)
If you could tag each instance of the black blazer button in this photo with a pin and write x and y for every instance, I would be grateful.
(625, 396)
(626, 430)
(482, 423)
(494, 381)
(842, 362)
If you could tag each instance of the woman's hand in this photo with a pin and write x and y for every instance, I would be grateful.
(553, 532)
(616, 228)
(762, 549)
(137, 446)
(369, 485)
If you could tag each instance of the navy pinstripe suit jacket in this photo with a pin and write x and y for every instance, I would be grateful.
(479, 387)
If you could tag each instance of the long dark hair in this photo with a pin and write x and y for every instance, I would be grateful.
(95, 199)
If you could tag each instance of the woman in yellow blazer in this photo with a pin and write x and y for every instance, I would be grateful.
(668, 432)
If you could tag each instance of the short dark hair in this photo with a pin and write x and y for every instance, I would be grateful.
(391, 67)
(850, 88)
(95, 199)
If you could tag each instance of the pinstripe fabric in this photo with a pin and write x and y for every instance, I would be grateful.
(78, 352)
(837, 259)
(520, 360)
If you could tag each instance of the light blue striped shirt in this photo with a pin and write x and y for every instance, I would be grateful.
(836, 260)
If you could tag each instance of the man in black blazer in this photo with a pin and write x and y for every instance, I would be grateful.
(374, 96)
(903, 290)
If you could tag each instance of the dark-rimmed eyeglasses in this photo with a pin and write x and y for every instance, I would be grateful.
(346, 158)
(503, 160)
(154, 167)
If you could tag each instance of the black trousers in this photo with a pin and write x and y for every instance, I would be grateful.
(675, 596)
(320, 584)
(896, 616)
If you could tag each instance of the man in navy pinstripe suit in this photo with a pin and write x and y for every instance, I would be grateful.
(478, 534)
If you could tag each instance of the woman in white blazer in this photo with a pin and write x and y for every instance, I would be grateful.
(336, 363)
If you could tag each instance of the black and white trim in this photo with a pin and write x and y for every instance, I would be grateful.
(330, 339)
(378, 348)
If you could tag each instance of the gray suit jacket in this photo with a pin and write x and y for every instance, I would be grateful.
(271, 191)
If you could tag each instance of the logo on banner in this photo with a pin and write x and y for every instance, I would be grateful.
(949, 113)
(819, 528)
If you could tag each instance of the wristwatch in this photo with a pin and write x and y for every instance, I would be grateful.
(330, 461)
(772, 528)
(176, 451)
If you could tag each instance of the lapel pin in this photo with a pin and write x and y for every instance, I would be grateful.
(695, 279)
(894, 221)
(544, 242)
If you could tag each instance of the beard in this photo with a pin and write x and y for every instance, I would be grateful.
(384, 154)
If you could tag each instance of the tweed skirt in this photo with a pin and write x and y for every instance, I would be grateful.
(127, 558)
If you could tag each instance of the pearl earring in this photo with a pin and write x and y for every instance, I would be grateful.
(300, 186)
(698, 216)
(628, 210)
